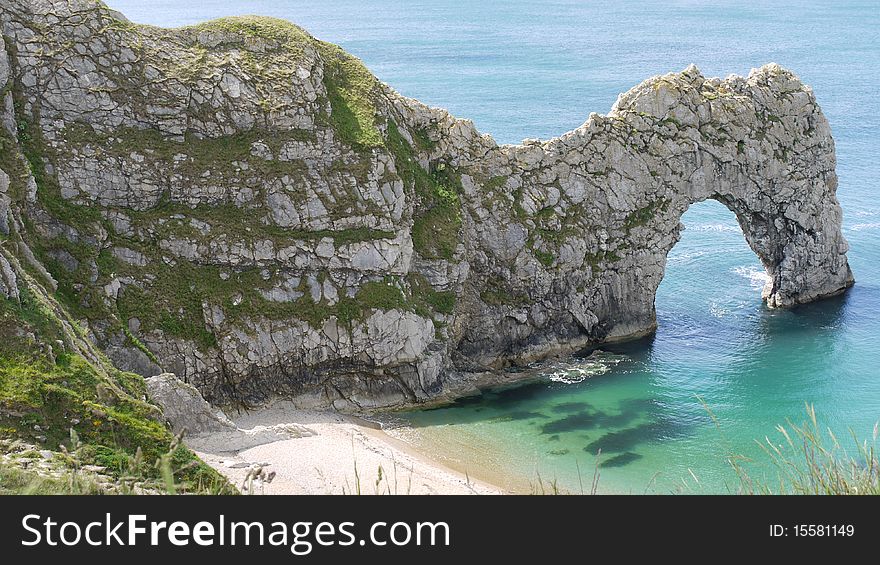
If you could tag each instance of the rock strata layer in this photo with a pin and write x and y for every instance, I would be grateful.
(249, 208)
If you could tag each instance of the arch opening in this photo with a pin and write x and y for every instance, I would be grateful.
(711, 269)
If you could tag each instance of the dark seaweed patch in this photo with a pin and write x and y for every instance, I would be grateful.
(621, 460)
(501, 398)
(588, 420)
(637, 405)
(627, 439)
(520, 415)
(617, 420)
(569, 407)
(573, 423)
(623, 440)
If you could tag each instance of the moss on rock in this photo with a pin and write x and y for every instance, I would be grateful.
(350, 88)
(436, 228)
(47, 388)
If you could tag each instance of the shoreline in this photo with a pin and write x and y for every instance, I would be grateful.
(322, 452)
(476, 383)
(318, 450)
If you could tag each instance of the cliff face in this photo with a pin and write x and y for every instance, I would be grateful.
(248, 207)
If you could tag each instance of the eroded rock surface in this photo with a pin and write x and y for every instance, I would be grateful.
(246, 206)
(207, 428)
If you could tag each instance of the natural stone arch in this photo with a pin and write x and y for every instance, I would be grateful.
(379, 247)
(595, 211)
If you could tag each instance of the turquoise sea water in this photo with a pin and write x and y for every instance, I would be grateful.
(537, 69)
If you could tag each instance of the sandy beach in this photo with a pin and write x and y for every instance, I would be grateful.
(313, 452)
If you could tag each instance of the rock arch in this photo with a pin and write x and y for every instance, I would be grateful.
(594, 213)
(372, 257)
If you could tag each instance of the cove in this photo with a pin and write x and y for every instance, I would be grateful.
(649, 404)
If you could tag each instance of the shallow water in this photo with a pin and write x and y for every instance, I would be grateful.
(536, 69)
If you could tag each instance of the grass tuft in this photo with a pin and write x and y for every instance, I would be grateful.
(809, 460)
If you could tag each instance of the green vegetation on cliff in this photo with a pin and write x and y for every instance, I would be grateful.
(47, 388)
(645, 214)
(497, 291)
(170, 293)
(276, 30)
(293, 123)
(350, 88)
(57, 391)
(81, 298)
(437, 219)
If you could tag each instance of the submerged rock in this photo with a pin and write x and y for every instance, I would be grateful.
(620, 460)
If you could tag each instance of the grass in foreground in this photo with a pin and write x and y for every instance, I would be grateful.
(16, 480)
(811, 461)
(808, 461)
(59, 394)
(71, 471)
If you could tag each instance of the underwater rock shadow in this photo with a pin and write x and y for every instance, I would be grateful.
(518, 415)
(589, 420)
(620, 460)
(568, 407)
(489, 405)
(625, 440)
(587, 417)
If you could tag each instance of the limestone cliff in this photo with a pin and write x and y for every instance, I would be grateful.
(249, 208)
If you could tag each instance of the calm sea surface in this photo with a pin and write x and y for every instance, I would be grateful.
(537, 69)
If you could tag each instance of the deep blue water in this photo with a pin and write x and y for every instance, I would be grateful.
(537, 69)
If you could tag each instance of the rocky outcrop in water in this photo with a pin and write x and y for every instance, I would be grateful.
(249, 208)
